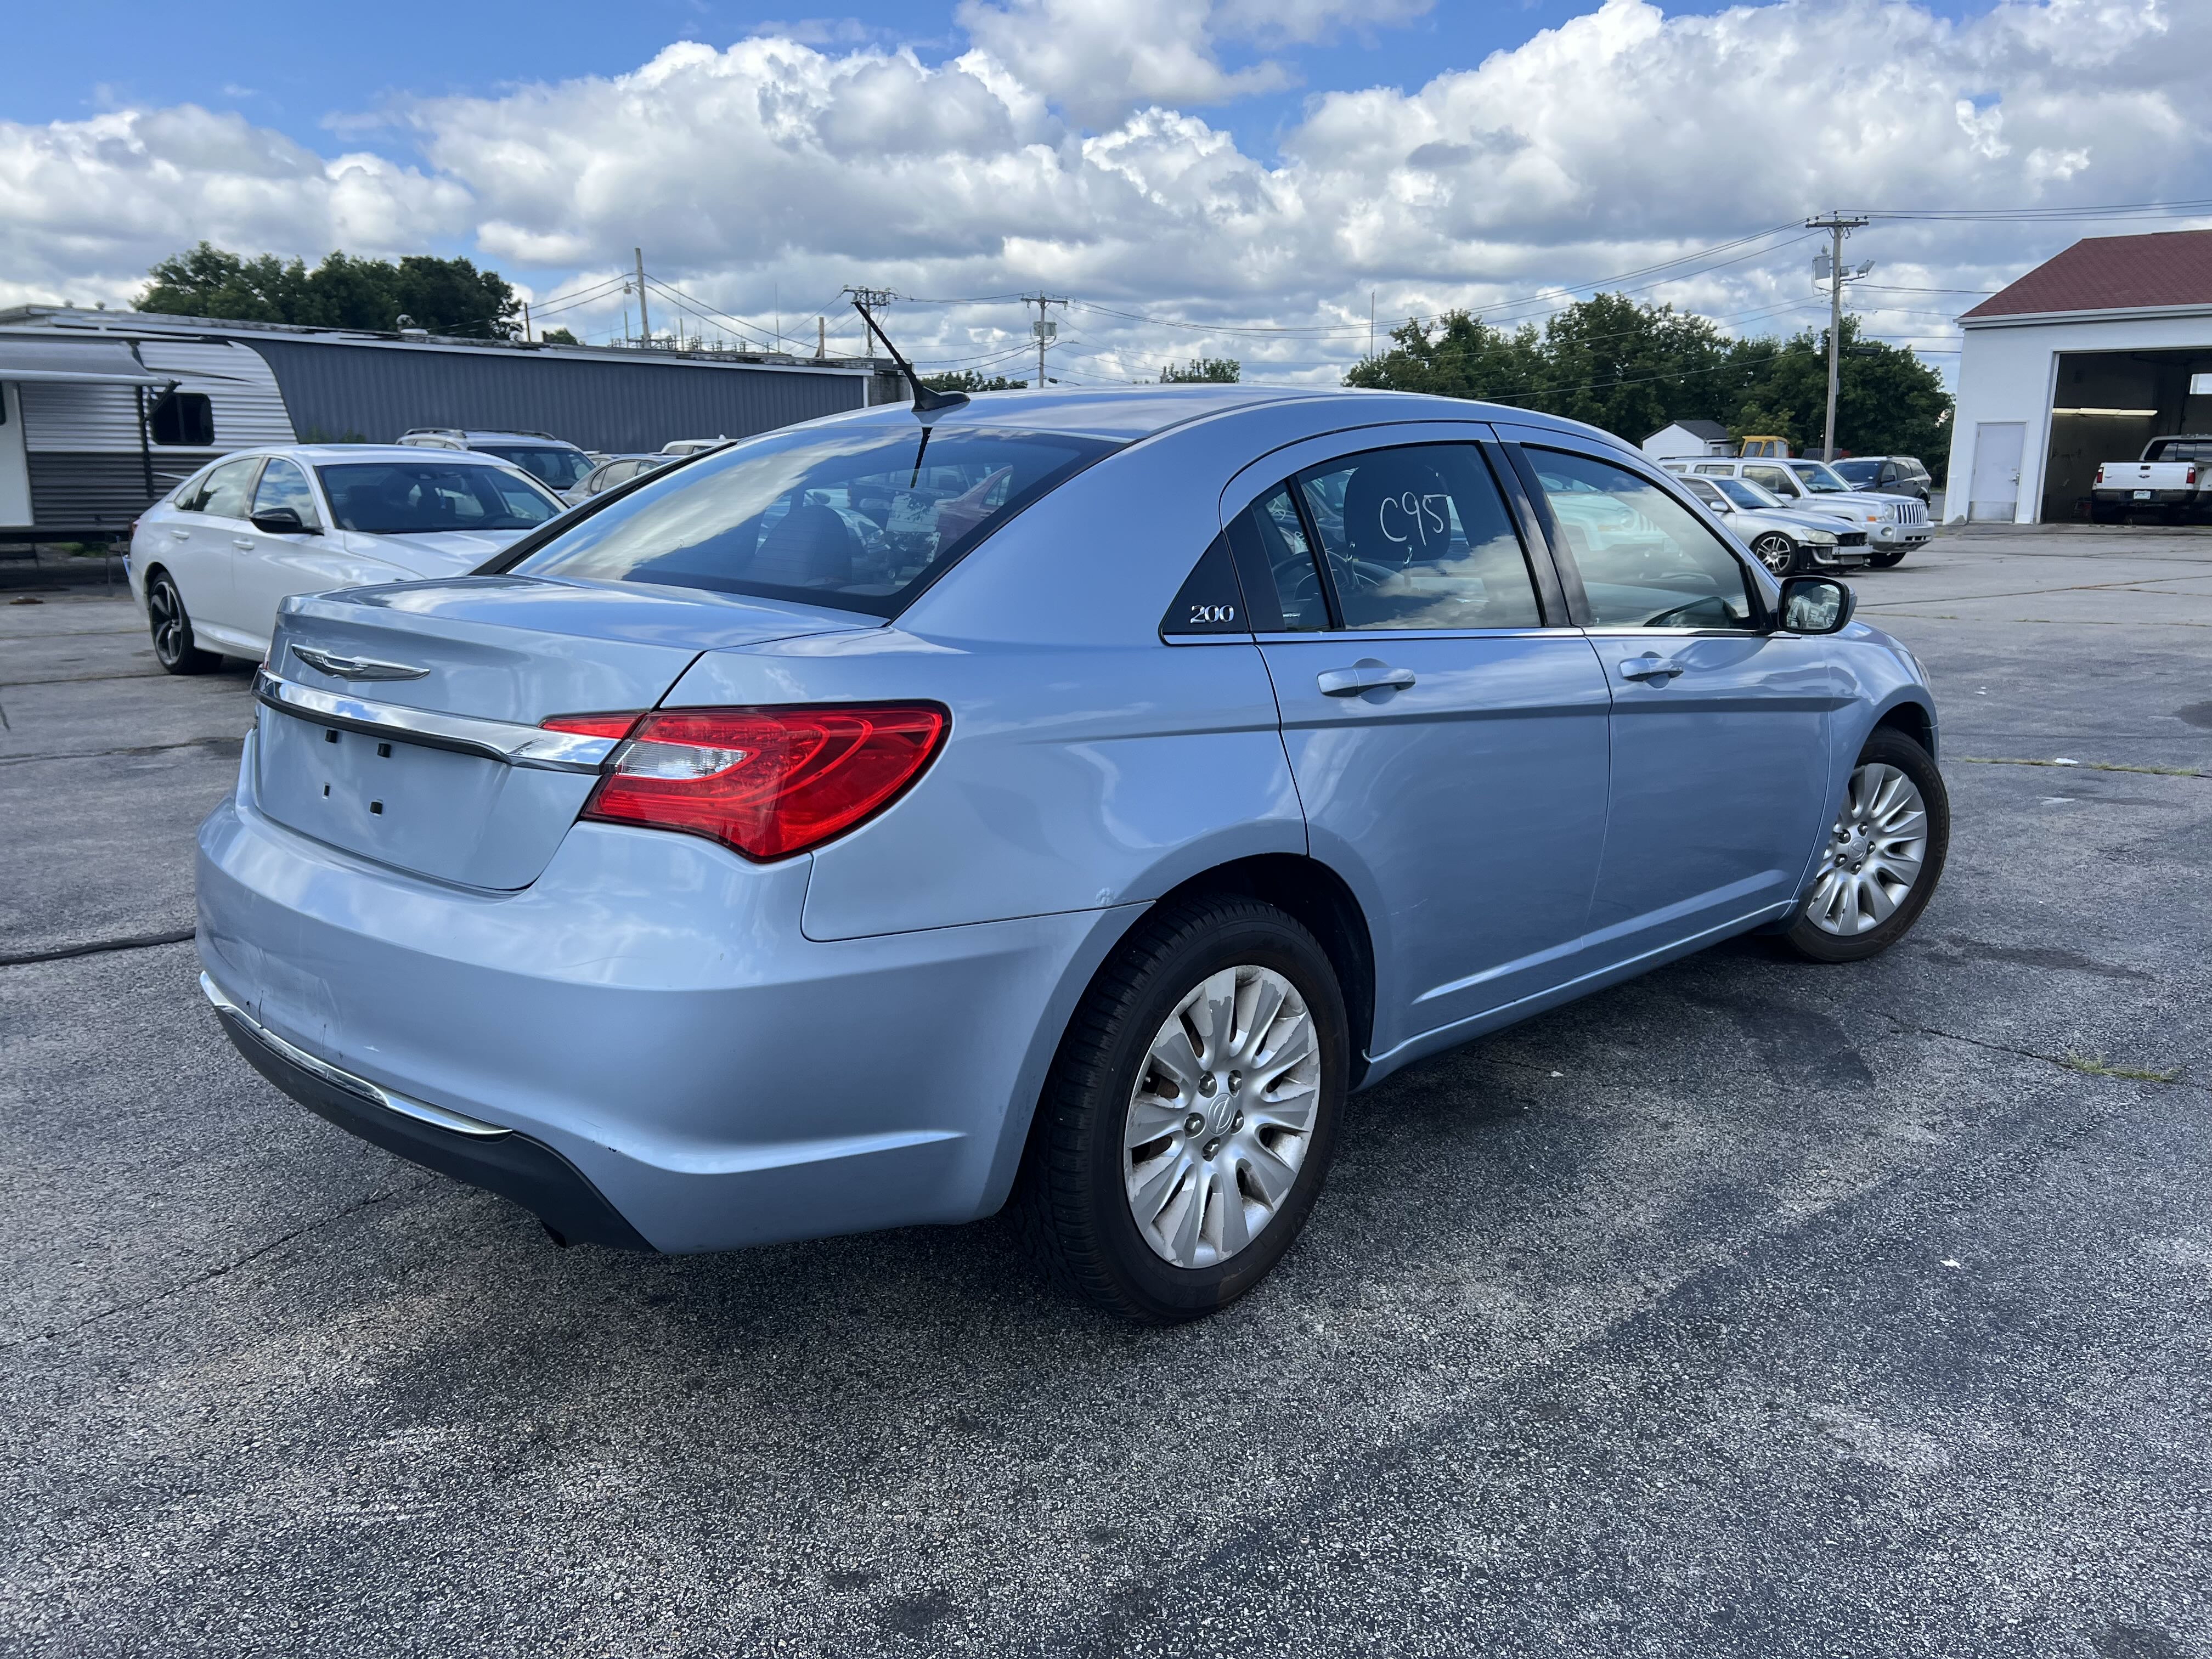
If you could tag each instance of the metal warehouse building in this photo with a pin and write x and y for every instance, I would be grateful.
(101, 412)
(2085, 359)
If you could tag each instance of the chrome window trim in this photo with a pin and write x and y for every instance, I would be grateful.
(359, 1087)
(505, 741)
(1353, 636)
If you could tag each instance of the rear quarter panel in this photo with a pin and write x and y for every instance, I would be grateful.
(1075, 777)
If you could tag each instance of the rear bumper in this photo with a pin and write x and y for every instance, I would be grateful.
(648, 1016)
(2129, 496)
(498, 1160)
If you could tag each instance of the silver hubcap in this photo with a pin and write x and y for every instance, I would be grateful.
(168, 617)
(1776, 554)
(1221, 1117)
(1874, 853)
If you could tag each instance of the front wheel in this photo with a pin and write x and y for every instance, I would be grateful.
(1190, 1114)
(1888, 558)
(172, 628)
(1883, 857)
(1776, 552)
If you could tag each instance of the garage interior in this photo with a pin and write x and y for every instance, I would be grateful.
(2107, 405)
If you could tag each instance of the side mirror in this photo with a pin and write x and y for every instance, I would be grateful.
(1816, 605)
(282, 521)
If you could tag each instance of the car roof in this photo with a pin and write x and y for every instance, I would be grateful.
(412, 453)
(1130, 413)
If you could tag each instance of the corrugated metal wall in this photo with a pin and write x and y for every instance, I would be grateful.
(345, 392)
(85, 494)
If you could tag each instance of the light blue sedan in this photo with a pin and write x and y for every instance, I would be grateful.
(1066, 797)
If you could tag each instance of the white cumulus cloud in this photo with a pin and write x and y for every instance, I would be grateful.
(1073, 146)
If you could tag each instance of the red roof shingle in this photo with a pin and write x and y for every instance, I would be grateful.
(2113, 273)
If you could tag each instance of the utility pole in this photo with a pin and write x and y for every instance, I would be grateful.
(1044, 328)
(1838, 225)
(525, 322)
(644, 327)
(821, 338)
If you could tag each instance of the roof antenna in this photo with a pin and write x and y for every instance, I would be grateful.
(927, 399)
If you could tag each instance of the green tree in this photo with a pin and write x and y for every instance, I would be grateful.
(559, 336)
(1888, 401)
(446, 296)
(1631, 368)
(207, 281)
(1461, 356)
(1202, 370)
(967, 379)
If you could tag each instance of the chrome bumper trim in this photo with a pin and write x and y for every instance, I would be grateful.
(506, 741)
(404, 1105)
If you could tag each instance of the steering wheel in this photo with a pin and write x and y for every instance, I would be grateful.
(1363, 574)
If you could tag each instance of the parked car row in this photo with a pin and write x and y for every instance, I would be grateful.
(1894, 525)
(1059, 798)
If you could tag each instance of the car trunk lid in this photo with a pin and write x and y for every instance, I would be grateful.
(404, 724)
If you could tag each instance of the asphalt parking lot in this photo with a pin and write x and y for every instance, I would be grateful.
(1751, 1308)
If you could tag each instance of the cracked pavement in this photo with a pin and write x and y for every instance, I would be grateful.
(1752, 1307)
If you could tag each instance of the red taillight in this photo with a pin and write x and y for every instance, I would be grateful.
(2192, 476)
(594, 726)
(2101, 474)
(766, 782)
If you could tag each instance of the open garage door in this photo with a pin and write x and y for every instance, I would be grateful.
(2106, 406)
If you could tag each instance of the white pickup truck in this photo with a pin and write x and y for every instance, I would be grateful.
(2174, 474)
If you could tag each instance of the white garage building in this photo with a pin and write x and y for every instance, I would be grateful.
(2085, 359)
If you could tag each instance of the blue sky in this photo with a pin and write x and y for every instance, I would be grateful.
(293, 67)
(1225, 177)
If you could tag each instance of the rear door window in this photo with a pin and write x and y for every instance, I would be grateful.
(1419, 537)
(1780, 479)
(1644, 559)
(224, 493)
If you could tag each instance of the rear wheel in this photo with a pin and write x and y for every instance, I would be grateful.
(172, 628)
(1884, 856)
(1189, 1118)
(1776, 552)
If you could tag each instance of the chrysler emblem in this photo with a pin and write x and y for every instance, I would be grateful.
(356, 668)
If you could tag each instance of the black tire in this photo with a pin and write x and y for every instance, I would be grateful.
(1807, 938)
(171, 626)
(1888, 558)
(2104, 511)
(1072, 1205)
(1780, 554)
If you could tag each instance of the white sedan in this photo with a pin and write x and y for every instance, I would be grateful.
(212, 561)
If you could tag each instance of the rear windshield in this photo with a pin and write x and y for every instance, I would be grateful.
(859, 518)
(563, 468)
(413, 498)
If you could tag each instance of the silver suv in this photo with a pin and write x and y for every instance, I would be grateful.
(555, 463)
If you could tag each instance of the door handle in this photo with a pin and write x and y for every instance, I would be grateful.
(1650, 667)
(241, 544)
(1366, 675)
(179, 535)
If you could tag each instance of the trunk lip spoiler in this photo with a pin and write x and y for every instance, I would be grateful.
(506, 741)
